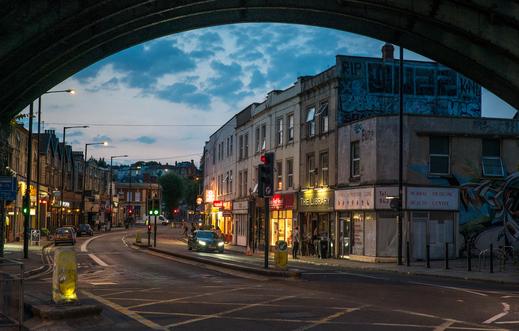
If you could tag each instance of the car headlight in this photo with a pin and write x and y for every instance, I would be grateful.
(200, 242)
(220, 243)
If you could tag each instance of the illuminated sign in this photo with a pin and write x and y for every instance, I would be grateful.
(209, 196)
(316, 200)
(218, 203)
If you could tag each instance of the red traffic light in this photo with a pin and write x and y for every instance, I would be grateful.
(149, 227)
(264, 159)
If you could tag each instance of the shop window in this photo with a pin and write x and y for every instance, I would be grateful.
(310, 122)
(279, 175)
(290, 173)
(491, 158)
(439, 161)
(324, 168)
(355, 159)
(279, 134)
(290, 122)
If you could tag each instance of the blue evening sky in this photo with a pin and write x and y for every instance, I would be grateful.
(197, 80)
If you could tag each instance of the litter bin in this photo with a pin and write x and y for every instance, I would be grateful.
(323, 248)
(281, 254)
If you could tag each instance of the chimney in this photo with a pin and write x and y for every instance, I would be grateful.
(192, 162)
(388, 52)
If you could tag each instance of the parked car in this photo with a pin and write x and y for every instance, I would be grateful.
(205, 240)
(85, 229)
(65, 235)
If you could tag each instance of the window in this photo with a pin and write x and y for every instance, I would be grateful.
(323, 118)
(290, 122)
(257, 137)
(439, 155)
(324, 168)
(310, 167)
(491, 158)
(290, 173)
(355, 159)
(214, 153)
(240, 146)
(279, 175)
(245, 178)
(310, 122)
(230, 181)
(246, 148)
(228, 144)
(279, 135)
(263, 137)
(231, 146)
(240, 183)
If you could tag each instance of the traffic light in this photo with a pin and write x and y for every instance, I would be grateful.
(153, 212)
(149, 227)
(25, 210)
(266, 175)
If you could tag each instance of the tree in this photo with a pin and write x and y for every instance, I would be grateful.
(173, 190)
(191, 192)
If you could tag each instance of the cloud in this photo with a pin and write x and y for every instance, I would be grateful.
(146, 140)
(258, 80)
(227, 81)
(75, 133)
(187, 94)
(101, 138)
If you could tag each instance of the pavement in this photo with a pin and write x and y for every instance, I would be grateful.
(37, 261)
(172, 241)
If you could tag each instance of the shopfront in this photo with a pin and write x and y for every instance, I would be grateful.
(282, 220)
(240, 210)
(317, 219)
(433, 213)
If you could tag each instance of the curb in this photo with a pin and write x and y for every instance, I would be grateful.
(263, 272)
(47, 311)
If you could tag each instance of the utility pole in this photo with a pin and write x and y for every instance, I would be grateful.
(400, 153)
(27, 200)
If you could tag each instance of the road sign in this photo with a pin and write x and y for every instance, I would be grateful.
(8, 188)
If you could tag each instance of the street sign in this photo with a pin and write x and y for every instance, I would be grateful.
(8, 187)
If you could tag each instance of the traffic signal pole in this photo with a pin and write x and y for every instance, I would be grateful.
(267, 218)
(155, 231)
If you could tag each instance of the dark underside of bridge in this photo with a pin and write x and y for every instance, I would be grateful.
(42, 42)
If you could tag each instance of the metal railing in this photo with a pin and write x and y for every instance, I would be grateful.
(11, 294)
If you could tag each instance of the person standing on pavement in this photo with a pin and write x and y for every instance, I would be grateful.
(295, 242)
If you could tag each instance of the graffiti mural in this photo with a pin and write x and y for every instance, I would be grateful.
(490, 211)
(369, 87)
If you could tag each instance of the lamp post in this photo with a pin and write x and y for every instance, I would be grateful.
(400, 153)
(111, 184)
(69, 91)
(65, 128)
(105, 143)
(27, 198)
(130, 188)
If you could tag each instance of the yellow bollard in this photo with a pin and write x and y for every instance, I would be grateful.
(281, 255)
(64, 277)
(137, 237)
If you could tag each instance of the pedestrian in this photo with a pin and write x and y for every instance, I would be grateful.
(193, 228)
(295, 242)
(218, 232)
(184, 228)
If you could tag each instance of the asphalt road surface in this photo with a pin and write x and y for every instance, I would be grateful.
(141, 290)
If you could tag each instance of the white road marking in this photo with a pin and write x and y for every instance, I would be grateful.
(98, 260)
(202, 318)
(444, 326)
(508, 322)
(450, 288)
(328, 318)
(103, 283)
(506, 310)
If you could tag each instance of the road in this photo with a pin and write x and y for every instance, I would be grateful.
(140, 290)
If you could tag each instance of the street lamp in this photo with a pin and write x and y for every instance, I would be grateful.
(111, 184)
(130, 187)
(69, 91)
(65, 128)
(105, 143)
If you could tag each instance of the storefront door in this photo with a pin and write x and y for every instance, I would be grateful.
(344, 236)
(419, 236)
